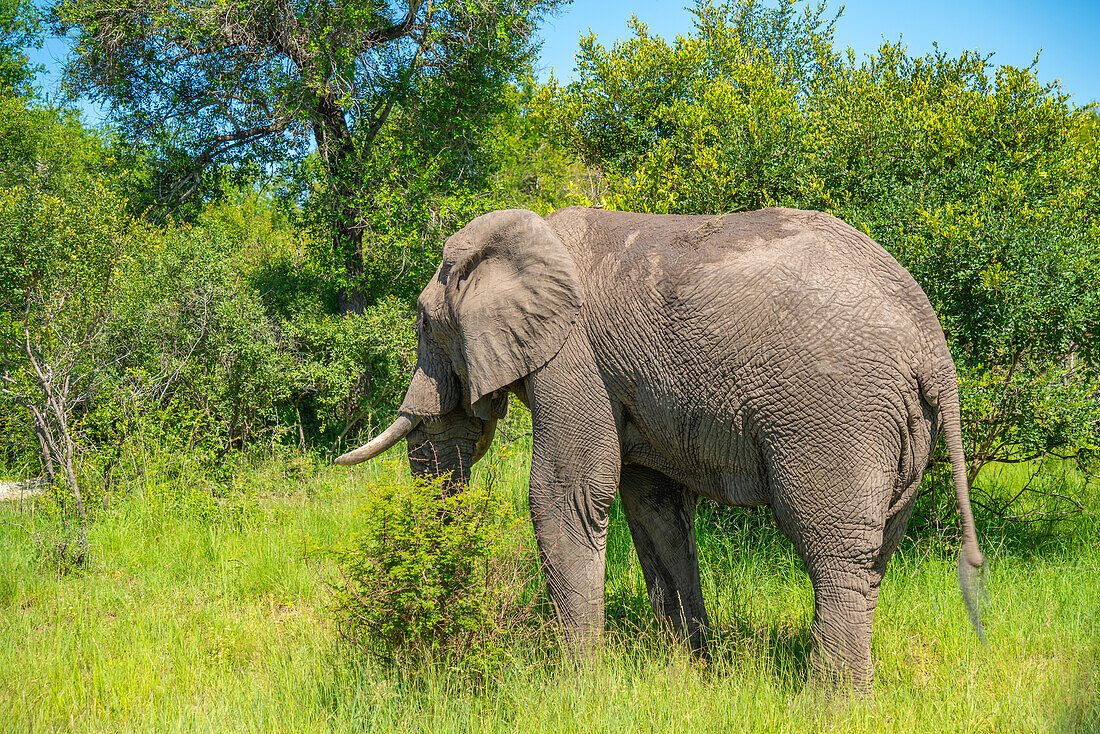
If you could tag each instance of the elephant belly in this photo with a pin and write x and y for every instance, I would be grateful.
(728, 487)
(739, 490)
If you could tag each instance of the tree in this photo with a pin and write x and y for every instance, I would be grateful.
(57, 256)
(20, 28)
(61, 225)
(263, 80)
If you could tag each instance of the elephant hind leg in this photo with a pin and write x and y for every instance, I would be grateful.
(841, 658)
(661, 516)
(891, 539)
(841, 545)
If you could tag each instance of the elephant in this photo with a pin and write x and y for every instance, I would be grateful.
(777, 357)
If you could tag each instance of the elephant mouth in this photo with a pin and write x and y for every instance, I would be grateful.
(464, 442)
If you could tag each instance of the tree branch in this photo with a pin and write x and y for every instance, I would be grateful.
(385, 35)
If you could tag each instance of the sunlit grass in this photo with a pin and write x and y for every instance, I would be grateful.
(220, 624)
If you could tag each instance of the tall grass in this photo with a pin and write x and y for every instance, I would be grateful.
(217, 620)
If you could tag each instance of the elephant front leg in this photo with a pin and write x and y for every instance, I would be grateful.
(574, 476)
(661, 515)
(570, 517)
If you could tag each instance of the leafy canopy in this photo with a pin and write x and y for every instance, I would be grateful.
(20, 28)
(227, 80)
(264, 81)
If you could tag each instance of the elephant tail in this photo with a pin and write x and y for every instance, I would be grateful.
(971, 559)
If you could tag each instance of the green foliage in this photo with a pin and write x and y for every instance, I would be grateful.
(431, 577)
(218, 334)
(985, 186)
(528, 171)
(334, 374)
(58, 255)
(184, 312)
(724, 91)
(149, 333)
(354, 369)
(20, 28)
(248, 85)
(191, 339)
(424, 184)
(214, 329)
(280, 71)
(49, 149)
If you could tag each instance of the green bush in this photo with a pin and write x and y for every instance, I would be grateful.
(433, 577)
(352, 371)
(187, 341)
(63, 549)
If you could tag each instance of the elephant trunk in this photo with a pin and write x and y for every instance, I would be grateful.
(383, 441)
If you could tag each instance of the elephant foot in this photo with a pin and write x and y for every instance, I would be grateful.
(580, 645)
(843, 679)
(823, 698)
(700, 647)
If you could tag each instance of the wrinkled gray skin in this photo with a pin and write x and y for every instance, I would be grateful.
(776, 357)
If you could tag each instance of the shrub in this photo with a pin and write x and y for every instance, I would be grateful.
(433, 577)
(352, 371)
(64, 549)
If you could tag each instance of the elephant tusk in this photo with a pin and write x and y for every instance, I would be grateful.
(387, 438)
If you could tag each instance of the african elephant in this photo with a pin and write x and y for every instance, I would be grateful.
(776, 357)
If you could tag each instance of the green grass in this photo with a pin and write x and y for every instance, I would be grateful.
(211, 616)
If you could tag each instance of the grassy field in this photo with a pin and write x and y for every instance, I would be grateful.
(195, 614)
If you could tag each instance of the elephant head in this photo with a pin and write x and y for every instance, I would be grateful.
(499, 307)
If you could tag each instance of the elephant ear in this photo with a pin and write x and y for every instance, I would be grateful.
(513, 293)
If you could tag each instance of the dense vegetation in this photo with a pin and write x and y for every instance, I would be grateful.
(205, 298)
(212, 323)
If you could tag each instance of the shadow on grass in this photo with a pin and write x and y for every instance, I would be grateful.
(727, 536)
(737, 644)
(785, 649)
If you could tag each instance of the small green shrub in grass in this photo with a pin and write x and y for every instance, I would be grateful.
(63, 550)
(432, 578)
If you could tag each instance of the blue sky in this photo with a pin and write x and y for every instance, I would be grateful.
(1066, 31)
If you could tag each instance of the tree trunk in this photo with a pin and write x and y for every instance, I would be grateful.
(348, 241)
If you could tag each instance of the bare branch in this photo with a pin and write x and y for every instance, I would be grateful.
(385, 35)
